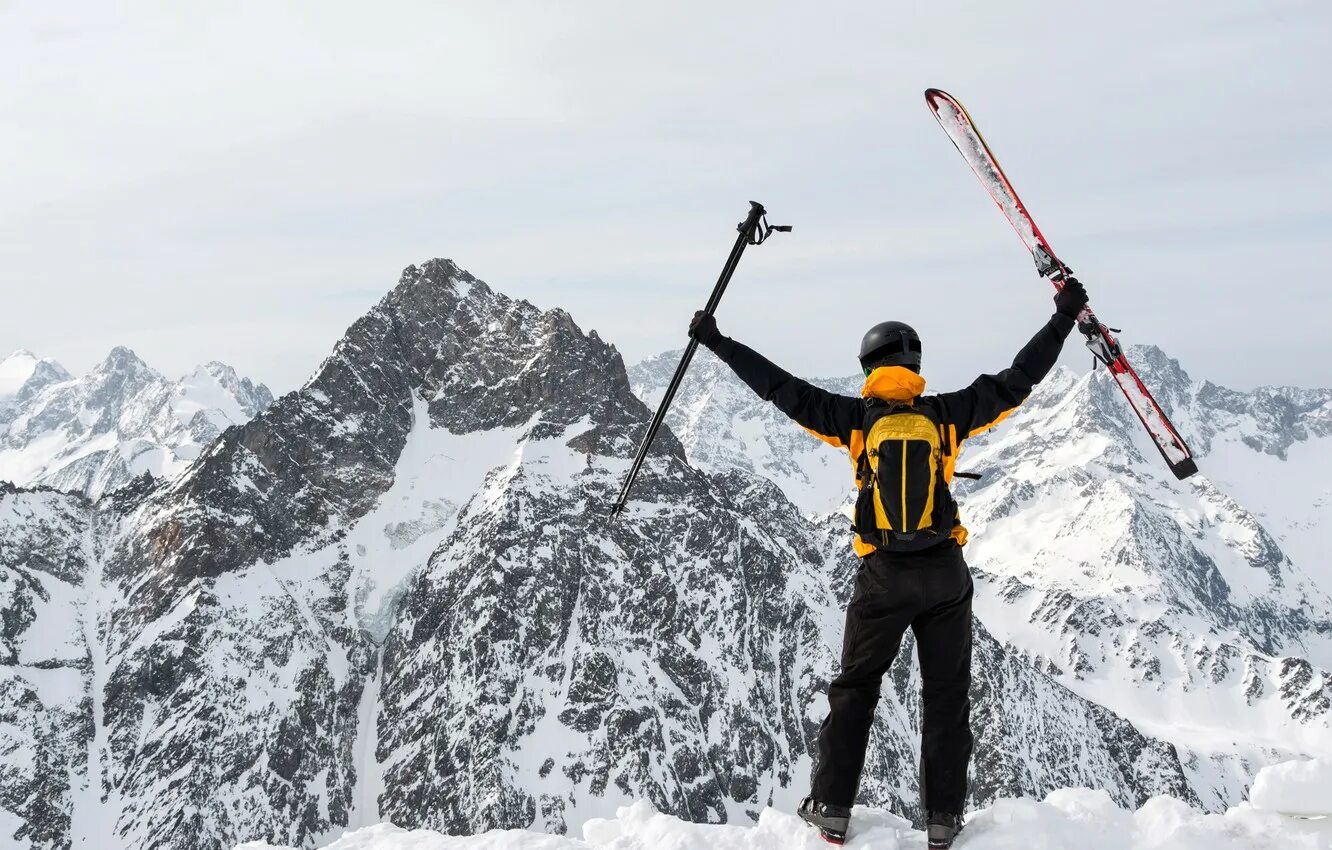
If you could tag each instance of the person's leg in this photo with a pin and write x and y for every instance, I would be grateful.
(943, 643)
(883, 604)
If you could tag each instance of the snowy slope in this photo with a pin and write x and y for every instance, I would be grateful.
(723, 425)
(46, 550)
(1076, 819)
(1298, 788)
(94, 433)
(1168, 602)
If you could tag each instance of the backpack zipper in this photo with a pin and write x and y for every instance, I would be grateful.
(906, 519)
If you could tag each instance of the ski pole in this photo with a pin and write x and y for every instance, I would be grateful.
(754, 230)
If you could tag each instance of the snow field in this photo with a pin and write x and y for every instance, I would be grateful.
(1295, 788)
(1076, 819)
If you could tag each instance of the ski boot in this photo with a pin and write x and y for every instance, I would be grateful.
(942, 828)
(831, 821)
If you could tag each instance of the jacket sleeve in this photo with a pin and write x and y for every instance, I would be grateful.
(829, 416)
(991, 398)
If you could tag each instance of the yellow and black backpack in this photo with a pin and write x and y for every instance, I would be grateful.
(904, 503)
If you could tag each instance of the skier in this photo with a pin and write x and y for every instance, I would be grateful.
(909, 538)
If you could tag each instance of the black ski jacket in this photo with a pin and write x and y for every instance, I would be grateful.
(839, 420)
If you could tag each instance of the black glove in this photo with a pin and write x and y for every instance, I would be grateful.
(1070, 300)
(703, 327)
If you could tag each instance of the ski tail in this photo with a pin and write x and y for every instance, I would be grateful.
(1168, 441)
(961, 130)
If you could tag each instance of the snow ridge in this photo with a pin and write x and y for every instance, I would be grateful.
(94, 433)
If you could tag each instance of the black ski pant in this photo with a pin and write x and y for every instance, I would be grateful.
(930, 592)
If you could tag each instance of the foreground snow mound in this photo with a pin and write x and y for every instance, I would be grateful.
(1076, 819)
(1295, 788)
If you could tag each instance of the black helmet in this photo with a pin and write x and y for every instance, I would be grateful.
(890, 344)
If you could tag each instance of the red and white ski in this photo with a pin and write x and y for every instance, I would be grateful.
(1100, 339)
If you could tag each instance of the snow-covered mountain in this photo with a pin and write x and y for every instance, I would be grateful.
(93, 433)
(1169, 602)
(1204, 622)
(723, 425)
(396, 594)
(23, 375)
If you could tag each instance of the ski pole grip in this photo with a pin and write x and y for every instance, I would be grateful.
(756, 212)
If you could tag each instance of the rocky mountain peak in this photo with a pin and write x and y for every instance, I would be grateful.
(113, 383)
(44, 373)
(250, 397)
(434, 283)
(218, 371)
(478, 360)
(122, 359)
(94, 433)
(1170, 384)
(22, 374)
(485, 360)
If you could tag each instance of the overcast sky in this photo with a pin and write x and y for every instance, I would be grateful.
(240, 182)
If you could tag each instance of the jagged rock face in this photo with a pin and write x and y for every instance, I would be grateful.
(266, 555)
(396, 593)
(573, 663)
(46, 718)
(1268, 420)
(320, 458)
(94, 433)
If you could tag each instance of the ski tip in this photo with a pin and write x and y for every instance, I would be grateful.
(931, 95)
(1184, 468)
